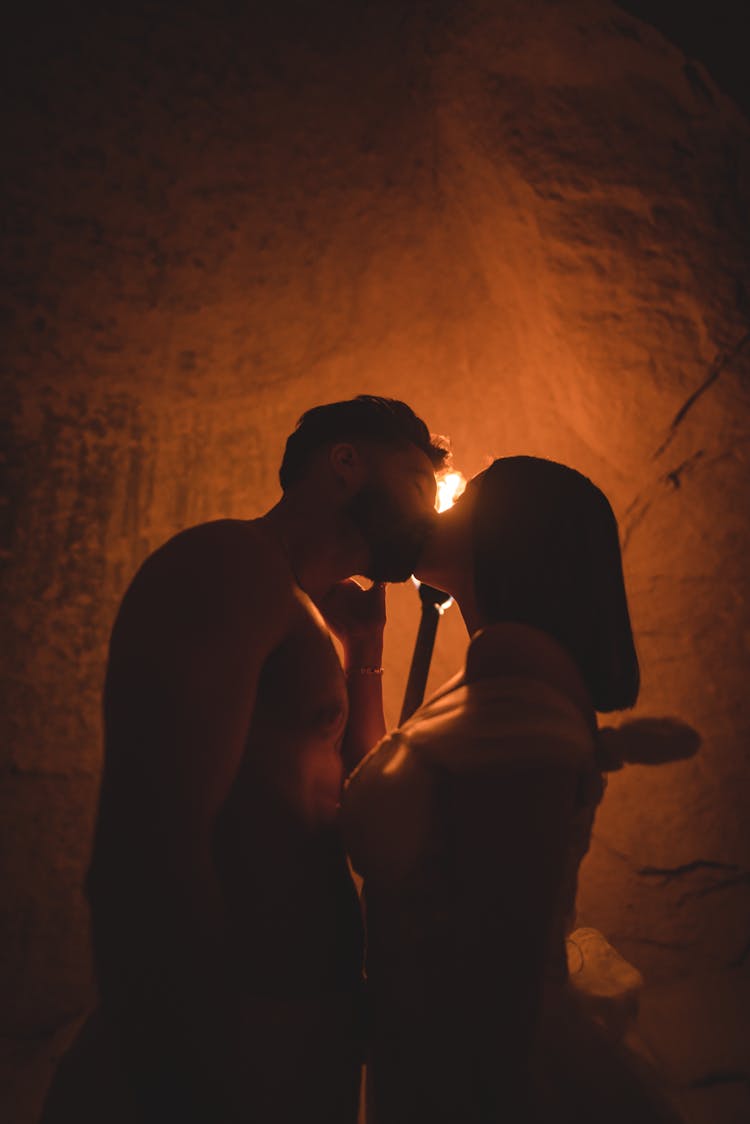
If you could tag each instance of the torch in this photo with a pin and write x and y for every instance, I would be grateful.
(450, 485)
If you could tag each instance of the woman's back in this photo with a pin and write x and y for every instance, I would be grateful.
(466, 827)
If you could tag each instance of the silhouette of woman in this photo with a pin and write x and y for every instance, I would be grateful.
(469, 823)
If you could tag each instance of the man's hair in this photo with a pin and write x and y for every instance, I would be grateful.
(385, 420)
(547, 553)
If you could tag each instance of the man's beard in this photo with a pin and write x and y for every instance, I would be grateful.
(394, 541)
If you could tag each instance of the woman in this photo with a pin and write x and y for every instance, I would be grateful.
(469, 823)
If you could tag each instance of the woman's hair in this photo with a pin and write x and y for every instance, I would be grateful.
(547, 553)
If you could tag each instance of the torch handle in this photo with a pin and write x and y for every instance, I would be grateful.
(420, 661)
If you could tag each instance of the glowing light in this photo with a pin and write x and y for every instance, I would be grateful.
(450, 485)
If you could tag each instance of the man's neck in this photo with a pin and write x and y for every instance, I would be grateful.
(319, 545)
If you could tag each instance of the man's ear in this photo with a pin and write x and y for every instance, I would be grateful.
(347, 465)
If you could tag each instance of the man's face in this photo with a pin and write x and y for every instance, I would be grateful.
(394, 511)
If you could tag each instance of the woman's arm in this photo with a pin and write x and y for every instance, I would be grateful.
(356, 616)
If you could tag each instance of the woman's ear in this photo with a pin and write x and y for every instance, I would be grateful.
(347, 466)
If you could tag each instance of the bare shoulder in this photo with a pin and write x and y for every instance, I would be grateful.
(508, 647)
(211, 576)
(515, 649)
(511, 647)
(231, 549)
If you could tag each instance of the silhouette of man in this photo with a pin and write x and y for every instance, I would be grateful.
(226, 928)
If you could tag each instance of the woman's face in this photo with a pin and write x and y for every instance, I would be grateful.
(446, 561)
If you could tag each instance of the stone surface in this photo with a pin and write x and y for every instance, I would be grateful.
(527, 219)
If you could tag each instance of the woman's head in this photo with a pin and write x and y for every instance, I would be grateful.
(541, 547)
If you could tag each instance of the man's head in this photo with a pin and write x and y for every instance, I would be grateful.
(382, 460)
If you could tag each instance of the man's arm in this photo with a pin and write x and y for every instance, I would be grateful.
(197, 627)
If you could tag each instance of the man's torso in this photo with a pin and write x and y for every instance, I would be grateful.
(290, 901)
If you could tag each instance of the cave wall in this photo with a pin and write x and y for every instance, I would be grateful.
(527, 219)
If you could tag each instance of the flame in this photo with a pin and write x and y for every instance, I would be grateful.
(450, 485)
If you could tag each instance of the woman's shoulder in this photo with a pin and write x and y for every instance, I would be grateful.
(520, 701)
(517, 650)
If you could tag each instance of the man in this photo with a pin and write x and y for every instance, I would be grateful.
(227, 934)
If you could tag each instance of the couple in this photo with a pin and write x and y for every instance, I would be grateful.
(227, 932)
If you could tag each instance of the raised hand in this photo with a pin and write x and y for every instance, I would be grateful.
(356, 616)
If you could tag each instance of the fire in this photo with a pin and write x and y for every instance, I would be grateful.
(450, 485)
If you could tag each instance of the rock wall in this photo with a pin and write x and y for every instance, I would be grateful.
(527, 219)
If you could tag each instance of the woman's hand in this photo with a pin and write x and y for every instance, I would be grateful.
(356, 616)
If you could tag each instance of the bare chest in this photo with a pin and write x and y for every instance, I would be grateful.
(293, 753)
(278, 850)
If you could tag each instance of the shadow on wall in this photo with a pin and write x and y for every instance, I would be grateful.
(646, 741)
